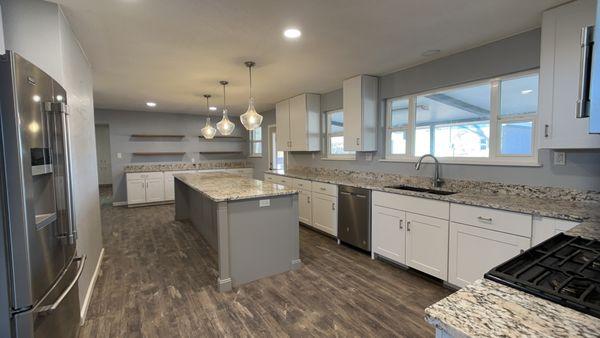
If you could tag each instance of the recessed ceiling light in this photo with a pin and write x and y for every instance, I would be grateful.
(212, 108)
(526, 91)
(292, 33)
(151, 104)
(36, 98)
(431, 52)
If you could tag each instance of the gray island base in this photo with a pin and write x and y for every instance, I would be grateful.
(251, 224)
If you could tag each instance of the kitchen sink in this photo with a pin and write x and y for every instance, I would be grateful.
(417, 189)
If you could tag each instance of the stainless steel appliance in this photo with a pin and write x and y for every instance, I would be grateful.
(354, 217)
(564, 269)
(39, 232)
(588, 102)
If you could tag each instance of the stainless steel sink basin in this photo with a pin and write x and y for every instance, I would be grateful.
(417, 189)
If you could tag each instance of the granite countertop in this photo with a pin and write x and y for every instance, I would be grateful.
(486, 308)
(148, 167)
(222, 187)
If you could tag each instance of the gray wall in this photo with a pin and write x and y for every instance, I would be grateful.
(261, 164)
(122, 124)
(39, 32)
(103, 154)
(514, 54)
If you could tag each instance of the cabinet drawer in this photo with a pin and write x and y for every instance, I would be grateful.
(286, 181)
(325, 188)
(269, 178)
(416, 205)
(499, 220)
(139, 176)
(302, 184)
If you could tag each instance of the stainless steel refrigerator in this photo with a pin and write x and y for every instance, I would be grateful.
(39, 257)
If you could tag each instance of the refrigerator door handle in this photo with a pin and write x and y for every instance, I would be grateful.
(56, 304)
(62, 110)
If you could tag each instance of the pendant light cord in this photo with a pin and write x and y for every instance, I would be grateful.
(207, 107)
(250, 72)
(224, 105)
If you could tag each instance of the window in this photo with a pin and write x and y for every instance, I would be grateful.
(335, 135)
(489, 121)
(256, 142)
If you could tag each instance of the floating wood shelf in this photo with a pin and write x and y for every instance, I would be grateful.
(157, 136)
(221, 152)
(159, 153)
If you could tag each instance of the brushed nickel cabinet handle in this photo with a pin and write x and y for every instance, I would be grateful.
(332, 206)
(546, 130)
(408, 226)
(484, 219)
(400, 225)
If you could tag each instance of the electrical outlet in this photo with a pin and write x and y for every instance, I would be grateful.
(193, 160)
(560, 158)
(264, 203)
(119, 155)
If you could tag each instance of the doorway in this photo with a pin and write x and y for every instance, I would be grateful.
(103, 155)
(277, 158)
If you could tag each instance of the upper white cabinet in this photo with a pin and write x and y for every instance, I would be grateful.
(360, 113)
(298, 123)
(560, 66)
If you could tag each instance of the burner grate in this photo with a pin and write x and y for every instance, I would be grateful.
(564, 269)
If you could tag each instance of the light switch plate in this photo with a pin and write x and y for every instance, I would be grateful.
(264, 203)
(193, 160)
(119, 155)
(560, 158)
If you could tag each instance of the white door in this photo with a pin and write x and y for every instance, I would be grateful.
(324, 212)
(298, 115)
(103, 154)
(389, 233)
(474, 251)
(427, 244)
(155, 190)
(305, 207)
(136, 191)
(282, 121)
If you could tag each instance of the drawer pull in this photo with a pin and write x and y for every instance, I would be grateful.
(332, 206)
(307, 199)
(400, 225)
(408, 226)
(322, 188)
(485, 219)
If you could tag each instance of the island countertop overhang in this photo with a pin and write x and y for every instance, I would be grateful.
(221, 187)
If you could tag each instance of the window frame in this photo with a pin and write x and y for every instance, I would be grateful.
(329, 134)
(252, 141)
(495, 157)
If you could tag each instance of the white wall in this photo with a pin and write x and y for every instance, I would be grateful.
(38, 31)
(103, 154)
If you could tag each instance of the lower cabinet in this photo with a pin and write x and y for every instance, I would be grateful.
(145, 187)
(305, 207)
(473, 251)
(427, 244)
(324, 213)
(136, 190)
(545, 227)
(389, 233)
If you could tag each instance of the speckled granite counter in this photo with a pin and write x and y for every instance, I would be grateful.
(148, 167)
(227, 187)
(486, 308)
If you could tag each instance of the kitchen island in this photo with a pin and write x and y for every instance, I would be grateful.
(252, 225)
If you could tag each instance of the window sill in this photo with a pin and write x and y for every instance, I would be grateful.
(341, 158)
(468, 162)
(255, 156)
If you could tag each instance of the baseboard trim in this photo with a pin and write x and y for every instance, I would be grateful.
(90, 290)
(119, 204)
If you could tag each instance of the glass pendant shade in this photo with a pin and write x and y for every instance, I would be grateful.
(208, 131)
(251, 119)
(225, 126)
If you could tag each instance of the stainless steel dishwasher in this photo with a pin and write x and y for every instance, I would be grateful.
(354, 216)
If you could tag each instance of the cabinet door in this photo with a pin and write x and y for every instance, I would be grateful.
(298, 115)
(352, 89)
(427, 244)
(389, 233)
(155, 190)
(474, 251)
(136, 191)
(546, 227)
(169, 186)
(559, 77)
(282, 122)
(305, 207)
(324, 212)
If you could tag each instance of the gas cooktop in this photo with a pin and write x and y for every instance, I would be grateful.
(564, 269)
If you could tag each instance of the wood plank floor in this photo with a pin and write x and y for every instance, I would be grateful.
(158, 280)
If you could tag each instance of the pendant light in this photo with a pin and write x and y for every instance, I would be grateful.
(208, 131)
(225, 126)
(251, 119)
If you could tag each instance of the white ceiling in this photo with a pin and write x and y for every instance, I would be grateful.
(174, 51)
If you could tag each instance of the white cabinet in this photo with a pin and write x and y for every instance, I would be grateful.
(145, 187)
(546, 227)
(169, 182)
(305, 207)
(405, 232)
(559, 77)
(298, 123)
(324, 213)
(389, 233)
(473, 251)
(427, 244)
(360, 113)
(281, 180)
